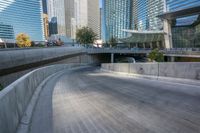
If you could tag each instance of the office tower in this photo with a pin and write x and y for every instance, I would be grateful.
(62, 11)
(154, 8)
(144, 14)
(25, 16)
(117, 16)
(6, 31)
(80, 15)
(174, 5)
(45, 19)
(53, 28)
(94, 16)
(44, 6)
(74, 14)
(46, 25)
(87, 13)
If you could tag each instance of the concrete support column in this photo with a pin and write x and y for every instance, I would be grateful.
(172, 59)
(158, 44)
(136, 45)
(168, 34)
(112, 58)
(144, 45)
(151, 45)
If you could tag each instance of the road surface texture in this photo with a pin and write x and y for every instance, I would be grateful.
(90, 101)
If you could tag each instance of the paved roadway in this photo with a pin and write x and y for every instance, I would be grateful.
(90, 101)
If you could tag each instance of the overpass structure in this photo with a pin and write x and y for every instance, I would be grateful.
(170, 53)
(62, 98)
(70, 98)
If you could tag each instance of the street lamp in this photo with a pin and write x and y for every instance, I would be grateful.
(1, 41)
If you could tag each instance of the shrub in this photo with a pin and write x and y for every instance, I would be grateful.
(1, 87)
(23, 40)
(156, 55)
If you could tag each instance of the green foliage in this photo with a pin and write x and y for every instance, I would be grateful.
(1, 87)
(113, 41)
(156, 55)
(85, 35)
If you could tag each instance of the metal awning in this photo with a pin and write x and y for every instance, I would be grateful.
(144, 38)
(180, 13)
(142, 32)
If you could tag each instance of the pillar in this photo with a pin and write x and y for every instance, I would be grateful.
(136, 44)
(112, 58)
(151, 45)
(172, 59)
(158, 45)
(167, 34)
(143, 45)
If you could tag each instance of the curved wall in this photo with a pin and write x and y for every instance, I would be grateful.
(15, 98)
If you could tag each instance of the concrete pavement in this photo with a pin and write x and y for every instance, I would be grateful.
(90, 101)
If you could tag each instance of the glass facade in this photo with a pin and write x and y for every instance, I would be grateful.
(185, 30)
(174, 5)
(117, 16)
(44, 6)
(145, 14)
(25, 16)
(6, 31)
(186, 36)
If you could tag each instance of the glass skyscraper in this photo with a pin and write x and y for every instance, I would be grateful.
(173, 5)
(138, 15)
(44, 6)
(145, 14)
(6, 31)
(117, 16)
(25, 16)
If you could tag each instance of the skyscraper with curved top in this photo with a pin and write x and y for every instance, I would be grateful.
(24, 16)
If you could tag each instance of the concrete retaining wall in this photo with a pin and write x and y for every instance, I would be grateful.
(186, 70)
(13, 58)
(15, 98)
(85, 59)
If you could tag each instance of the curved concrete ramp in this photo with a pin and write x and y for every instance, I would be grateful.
(89, 101)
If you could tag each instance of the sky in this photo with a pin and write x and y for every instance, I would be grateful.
(100, 3)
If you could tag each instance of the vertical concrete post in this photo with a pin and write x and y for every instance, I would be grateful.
(136, 44)
(112, 58)
(172, 59)
(158, 44)
(167, 34)
(151, 45)
(144, 45)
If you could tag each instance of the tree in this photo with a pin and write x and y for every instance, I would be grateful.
(113, 41)
(1, 87)
(23, 40)
(156, 55)
(85, 35)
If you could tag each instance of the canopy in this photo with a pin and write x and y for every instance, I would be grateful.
(144, 38)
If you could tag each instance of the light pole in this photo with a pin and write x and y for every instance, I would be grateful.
(1, 41)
